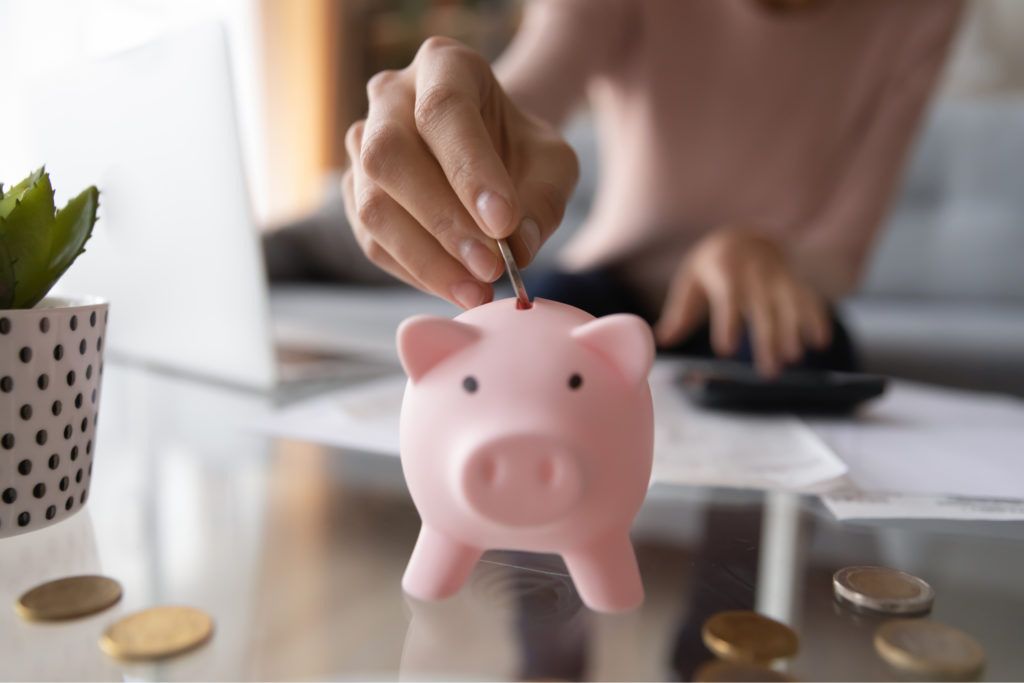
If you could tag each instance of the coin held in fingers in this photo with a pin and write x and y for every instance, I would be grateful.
(514, 275)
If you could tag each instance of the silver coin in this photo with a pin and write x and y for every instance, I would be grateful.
(881, 589)
(513, 274)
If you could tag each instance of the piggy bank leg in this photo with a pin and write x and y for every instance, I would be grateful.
(606, 574)
(439, 565)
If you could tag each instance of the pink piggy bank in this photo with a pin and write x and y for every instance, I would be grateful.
(527, 429)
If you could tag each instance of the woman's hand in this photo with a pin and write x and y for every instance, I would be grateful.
(443, 164)
(735, 277)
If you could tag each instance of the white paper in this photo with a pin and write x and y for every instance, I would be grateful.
(851, 504)
(919, 452)
(692, 446)
(920, 440)
(363, 417)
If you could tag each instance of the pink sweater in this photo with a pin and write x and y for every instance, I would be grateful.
(724, 112)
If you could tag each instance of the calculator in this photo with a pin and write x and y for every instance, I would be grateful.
(734, 386)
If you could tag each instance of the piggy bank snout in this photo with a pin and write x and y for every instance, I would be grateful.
(522, 480)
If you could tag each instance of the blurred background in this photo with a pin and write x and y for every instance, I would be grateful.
(943, 298)
(300, 67)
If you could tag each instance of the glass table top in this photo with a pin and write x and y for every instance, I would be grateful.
(297, 551)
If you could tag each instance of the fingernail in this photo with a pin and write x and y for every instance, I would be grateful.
(468, 293)
(480, 260)
(529, 233)
(495, 212)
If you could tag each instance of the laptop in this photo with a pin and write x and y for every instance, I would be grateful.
(175, 249)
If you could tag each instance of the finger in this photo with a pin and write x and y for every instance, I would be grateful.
(394, 232)
(373, 251)
(764, 333)
(544, 195)
(685, 307)
(724, 313)
(547, 177)
(787, 307)
(454, 86)
(525, 242)
(383, 260)
(394, 157)
(401, 237)
(353, 142)
(815, 322)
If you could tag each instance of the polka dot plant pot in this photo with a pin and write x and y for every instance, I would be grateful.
(51, 362)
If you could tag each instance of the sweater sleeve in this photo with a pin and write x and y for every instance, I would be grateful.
(560, 46)
(833, 250)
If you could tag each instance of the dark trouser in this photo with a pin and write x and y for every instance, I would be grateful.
(599, 292)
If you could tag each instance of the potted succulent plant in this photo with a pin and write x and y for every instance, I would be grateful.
(51, 357)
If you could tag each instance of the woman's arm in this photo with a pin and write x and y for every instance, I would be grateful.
(559, 47)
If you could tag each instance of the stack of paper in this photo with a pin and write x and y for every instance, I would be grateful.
(923, 451)
(692, 446)
(919, 451)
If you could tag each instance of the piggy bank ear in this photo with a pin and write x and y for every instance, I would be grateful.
(426, 340)
(624, 340)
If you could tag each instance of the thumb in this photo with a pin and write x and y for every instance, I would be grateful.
(543, 205)
(545, 189)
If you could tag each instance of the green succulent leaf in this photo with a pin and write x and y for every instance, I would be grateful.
(37, 243)
(6, 278)
(24, 233)
(71, 229)
(14, 195)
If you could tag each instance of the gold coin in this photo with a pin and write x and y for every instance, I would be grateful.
(929, 648)
(881, 589)
(68, 598)
(720, 670)
(748, 636)
(157, 632)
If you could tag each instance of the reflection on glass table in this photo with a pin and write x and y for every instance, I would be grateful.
(297, 552)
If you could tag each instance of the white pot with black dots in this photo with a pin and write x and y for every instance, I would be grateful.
(51, 367)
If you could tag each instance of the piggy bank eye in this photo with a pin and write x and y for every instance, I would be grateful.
(470, 384)
(575, 381)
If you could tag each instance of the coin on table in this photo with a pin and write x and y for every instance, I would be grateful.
(723, 670)
(881, 589)
(748, 636)
(157, 632)
(929, 648)
(68, 598)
